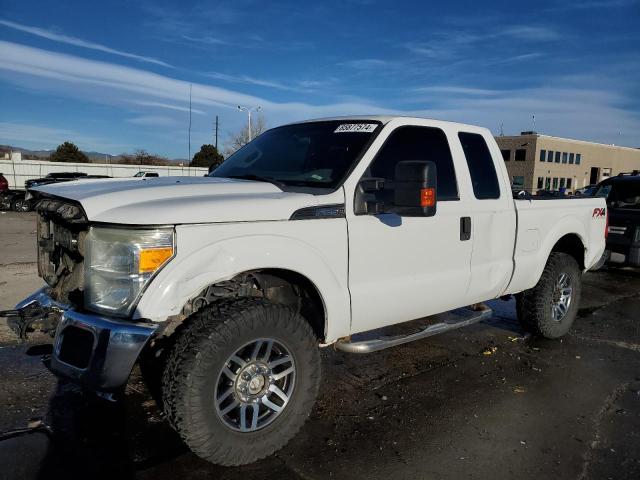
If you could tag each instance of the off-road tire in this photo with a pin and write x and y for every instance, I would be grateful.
(533, 306)
(203, 345)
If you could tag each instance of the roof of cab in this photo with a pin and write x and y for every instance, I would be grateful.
(383, 119)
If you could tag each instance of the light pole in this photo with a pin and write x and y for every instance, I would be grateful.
(249, 110)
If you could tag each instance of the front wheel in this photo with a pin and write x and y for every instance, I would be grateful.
(241, 379)
(21, 205)
(550, 308)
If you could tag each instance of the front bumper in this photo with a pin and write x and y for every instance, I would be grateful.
(95, 351)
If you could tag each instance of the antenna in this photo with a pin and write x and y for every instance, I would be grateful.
(533, 117)
(190, 87)
(502, 129)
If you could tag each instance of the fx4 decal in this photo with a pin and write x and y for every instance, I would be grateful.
(598, 212)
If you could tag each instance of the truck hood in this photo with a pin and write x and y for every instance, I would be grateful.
(173, 200)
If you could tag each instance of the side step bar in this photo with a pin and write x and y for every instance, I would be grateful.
(452, 320)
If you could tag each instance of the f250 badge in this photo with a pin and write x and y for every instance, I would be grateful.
(598, 212)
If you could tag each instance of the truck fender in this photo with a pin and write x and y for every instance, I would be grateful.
(191, 272)
(530, 265)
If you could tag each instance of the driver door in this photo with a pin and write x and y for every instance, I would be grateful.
(403, 268)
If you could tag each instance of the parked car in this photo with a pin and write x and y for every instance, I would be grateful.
(370, 222)
(622, 193)
(586, 190)
(147, 174)
(4, 183)
(54, 177)
(550, 193)
(30, 198)
(10, 199)
(13, 200)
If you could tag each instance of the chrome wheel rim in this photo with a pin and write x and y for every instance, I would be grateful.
(561, 298)
(255, 385)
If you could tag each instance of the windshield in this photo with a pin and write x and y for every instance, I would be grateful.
(621, 194)
(315, 154)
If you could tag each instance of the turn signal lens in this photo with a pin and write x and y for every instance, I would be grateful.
(153, 258)
(427, 197)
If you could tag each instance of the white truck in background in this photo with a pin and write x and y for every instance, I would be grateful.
(308, 236)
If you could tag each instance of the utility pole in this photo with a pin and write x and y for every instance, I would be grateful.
(190, 87)
(249, 110)
(216, 143)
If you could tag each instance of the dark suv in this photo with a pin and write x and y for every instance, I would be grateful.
(623, 199)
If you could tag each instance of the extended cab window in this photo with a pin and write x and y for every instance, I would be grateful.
(483, 172)
(417, 143)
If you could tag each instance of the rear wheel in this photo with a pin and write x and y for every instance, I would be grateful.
(550, 308)
(241, 379)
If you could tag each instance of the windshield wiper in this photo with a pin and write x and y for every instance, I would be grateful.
(259, 178)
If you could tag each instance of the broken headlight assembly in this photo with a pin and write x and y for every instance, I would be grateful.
(120, 263)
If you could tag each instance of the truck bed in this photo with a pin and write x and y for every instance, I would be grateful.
(542, 221)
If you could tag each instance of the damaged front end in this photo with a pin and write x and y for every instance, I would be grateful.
(61, 231)
(97, 351)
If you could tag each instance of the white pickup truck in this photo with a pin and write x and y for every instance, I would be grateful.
(315, 233)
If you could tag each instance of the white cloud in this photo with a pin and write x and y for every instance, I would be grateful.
(246, 79)
(564, 5)
(152, 121)
(70, 73)
(365, 63)
(456, 90)
(532, 33)
(580, 107)
(57, 37)
(167, 106)
(207, 40)
(45, 137)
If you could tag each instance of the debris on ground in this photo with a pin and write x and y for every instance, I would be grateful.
(489, 350)
(519, 390)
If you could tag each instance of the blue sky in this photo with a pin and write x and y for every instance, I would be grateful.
(114, 76)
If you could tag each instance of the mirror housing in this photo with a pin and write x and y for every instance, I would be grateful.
(415, 188)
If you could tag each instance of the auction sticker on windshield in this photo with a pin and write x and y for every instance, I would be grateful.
(356, 127)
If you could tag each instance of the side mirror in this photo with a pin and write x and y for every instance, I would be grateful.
(415, 188)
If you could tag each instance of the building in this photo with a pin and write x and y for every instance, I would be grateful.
(12, 155)
(537, 162)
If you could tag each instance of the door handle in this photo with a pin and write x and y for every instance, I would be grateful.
(465, 228)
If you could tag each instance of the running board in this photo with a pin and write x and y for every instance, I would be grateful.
(448, 321)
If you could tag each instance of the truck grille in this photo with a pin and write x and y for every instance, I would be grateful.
(62, 228)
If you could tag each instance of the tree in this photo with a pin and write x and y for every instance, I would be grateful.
(241, 138)
(68, 152)
(208, 156)
(141, 157)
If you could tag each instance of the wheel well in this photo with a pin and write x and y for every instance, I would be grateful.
(571, 244)
(279, 286)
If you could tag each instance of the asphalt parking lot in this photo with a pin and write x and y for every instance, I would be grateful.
(485, 402)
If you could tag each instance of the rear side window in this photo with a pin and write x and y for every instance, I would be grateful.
(483, 173)
(417, 143)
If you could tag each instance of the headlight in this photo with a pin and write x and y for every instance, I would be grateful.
(119, 263)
